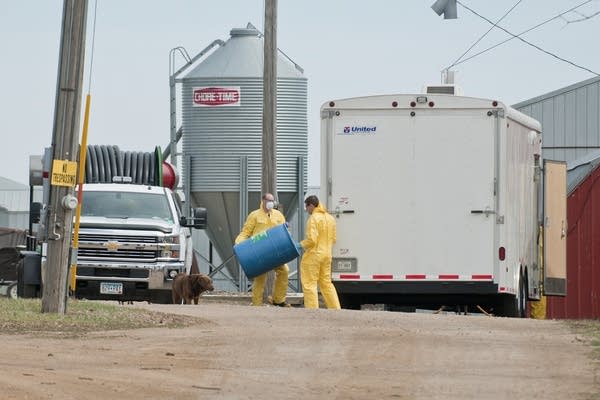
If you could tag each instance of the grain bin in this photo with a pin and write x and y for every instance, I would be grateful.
(222, 102)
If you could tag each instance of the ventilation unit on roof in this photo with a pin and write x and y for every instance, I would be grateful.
(443, 89)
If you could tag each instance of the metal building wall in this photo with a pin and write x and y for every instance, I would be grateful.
(583, 254)
(14, 204)
(570, 120)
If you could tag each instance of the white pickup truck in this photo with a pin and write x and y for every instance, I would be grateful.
(133, 239)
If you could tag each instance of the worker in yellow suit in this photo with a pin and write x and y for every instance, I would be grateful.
(258, 221)
(315, 268)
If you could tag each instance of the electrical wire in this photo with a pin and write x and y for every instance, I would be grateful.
(93, 44)
(484, 35)
(524, 32)
(531, 44)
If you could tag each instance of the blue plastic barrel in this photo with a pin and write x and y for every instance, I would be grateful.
(266, 250)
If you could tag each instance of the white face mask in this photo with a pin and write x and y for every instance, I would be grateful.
(270, 205)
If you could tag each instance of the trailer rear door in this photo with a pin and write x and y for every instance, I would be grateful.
(412, 193)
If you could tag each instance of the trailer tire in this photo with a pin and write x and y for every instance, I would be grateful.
(349, 302)
(522, 299)
(515, 306)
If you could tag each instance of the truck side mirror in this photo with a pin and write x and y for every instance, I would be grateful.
(35, 211)
(198, 219)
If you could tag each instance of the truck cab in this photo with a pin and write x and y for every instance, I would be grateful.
(133, 240)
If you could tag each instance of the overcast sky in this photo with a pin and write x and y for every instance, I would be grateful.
(347, 48)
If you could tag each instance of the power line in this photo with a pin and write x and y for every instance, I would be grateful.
(484, 35)
(524, 32)
(529, 43)
(583, 17)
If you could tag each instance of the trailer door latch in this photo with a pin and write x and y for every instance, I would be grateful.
(486, 212)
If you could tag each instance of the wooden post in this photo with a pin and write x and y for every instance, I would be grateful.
(65, 131)
(269, 141)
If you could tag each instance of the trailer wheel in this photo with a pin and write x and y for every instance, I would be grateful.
(12, 291)
(349, 302)
(522, 298)
(515, 305)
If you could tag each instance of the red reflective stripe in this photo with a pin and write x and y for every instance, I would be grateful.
(481, 276)
(349, 276)
(502, 289)
(447, 276)
(416, 276)
(383, 276)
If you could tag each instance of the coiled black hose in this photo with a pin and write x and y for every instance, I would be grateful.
(104, 162)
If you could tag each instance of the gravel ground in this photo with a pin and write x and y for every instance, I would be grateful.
(242, 352)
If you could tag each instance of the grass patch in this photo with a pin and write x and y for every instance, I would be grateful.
(82, 316)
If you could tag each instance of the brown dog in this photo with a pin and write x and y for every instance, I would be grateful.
(189, 287)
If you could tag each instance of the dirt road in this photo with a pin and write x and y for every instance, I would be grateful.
(242, 352)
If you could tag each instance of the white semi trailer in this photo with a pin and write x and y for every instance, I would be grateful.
(436, 199)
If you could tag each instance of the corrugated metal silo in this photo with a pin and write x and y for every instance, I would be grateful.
(222, 102)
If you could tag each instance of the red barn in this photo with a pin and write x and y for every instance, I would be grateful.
(583, 243)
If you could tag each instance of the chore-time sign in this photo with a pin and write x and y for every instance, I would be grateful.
(64, 173)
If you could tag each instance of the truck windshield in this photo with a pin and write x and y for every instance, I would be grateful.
(126, 205)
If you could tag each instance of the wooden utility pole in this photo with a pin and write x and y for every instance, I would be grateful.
(269, 120)
(59, 218)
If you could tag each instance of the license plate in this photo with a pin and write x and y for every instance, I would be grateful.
(111, 288)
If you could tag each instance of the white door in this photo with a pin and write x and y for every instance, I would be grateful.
(413, 195)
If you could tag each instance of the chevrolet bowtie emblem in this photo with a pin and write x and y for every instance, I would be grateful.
(112, 246)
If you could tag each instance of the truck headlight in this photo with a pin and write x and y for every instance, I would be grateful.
(170, 251)
(174, 239)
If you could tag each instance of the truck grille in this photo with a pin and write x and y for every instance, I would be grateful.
(113, 272)
(133, 254)
(118, 247)
(118, 238)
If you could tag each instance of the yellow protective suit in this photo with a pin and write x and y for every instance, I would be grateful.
(315, 267)
(259, 221)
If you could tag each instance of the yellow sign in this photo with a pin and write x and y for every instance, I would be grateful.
(64, 173)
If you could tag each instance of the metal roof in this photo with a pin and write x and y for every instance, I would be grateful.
(578, 170)
(242, 56)
(557, 92)
(14, 196)
(9, 184)
(570, 119)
